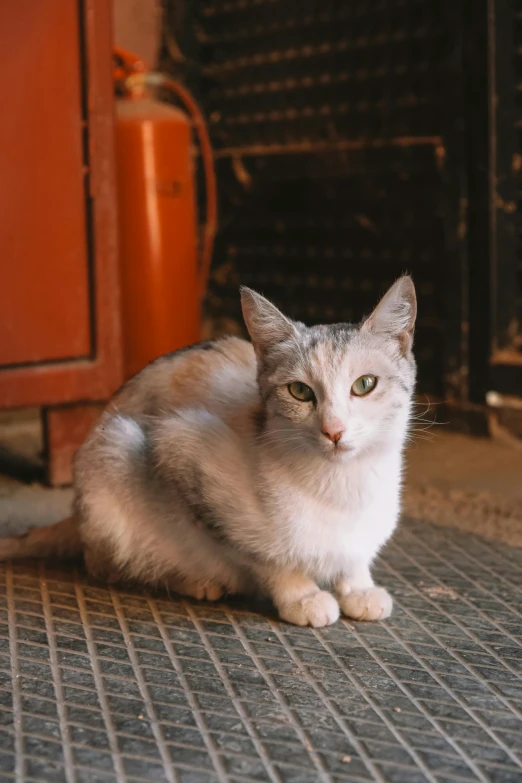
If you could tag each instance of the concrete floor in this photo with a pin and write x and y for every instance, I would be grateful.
(474, 484)
(24, 500)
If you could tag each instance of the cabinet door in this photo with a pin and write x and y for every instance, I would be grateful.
(59, 314)
(44, 297)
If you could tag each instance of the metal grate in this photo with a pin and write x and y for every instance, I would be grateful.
(326, 118)
(102, 685)
(288, 71)
(324, 237)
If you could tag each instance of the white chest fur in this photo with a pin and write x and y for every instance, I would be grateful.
(341, 515)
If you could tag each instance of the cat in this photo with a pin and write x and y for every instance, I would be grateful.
(272, 467)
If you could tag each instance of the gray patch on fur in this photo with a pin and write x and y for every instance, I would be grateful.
(192, 493)
(336, 335)
(259, 419)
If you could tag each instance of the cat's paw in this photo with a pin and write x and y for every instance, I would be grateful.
(202, 591)
(317, 610)
(373, 603)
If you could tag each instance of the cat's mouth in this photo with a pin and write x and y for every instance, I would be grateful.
(340, 451)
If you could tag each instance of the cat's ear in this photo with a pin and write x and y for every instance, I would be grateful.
(266, 325)
(396, 313)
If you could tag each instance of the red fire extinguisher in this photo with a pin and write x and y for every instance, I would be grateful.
(164, 269)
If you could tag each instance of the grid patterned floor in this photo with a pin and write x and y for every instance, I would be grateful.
(99, 685)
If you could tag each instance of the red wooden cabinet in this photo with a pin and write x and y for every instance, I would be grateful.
(59, 289)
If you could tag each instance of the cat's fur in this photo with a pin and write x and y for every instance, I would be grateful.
(207, 476)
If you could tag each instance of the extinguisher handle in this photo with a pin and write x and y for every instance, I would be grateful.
(127, 63)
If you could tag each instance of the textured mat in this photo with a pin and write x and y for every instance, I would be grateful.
(102, 685)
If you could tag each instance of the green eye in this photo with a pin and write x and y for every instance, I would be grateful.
(301, 391)
(364, 385)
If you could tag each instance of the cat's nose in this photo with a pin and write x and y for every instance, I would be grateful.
(335, 437)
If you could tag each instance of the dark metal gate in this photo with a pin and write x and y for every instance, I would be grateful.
(505, 170)
(357, 140)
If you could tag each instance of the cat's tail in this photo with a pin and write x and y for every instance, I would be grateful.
(61, 541)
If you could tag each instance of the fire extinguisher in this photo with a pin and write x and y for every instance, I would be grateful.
(164, 269)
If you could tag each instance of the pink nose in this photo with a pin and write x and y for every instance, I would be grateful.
(335, 437)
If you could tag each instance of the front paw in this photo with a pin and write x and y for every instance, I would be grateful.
(201, 591)
(373, 603)
(317, 610)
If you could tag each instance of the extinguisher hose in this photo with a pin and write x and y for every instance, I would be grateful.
(200, 129)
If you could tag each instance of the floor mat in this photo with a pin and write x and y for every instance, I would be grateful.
(100, 685)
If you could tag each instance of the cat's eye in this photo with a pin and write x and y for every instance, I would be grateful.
(364, 385)
(301, 391)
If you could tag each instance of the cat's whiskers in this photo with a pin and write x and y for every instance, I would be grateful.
(414, 435)
(281, 444)
(278, 437)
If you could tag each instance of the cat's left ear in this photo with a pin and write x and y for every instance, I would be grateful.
(266, 325)
(396, 313)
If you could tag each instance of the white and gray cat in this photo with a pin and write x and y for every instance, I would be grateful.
(271, 467)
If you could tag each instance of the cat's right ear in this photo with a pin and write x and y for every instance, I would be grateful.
(396, 313)
(266, 325)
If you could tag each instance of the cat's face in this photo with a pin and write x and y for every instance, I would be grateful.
(337, 390)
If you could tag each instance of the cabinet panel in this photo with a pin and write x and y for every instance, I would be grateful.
(44, 296)
(59, 300)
